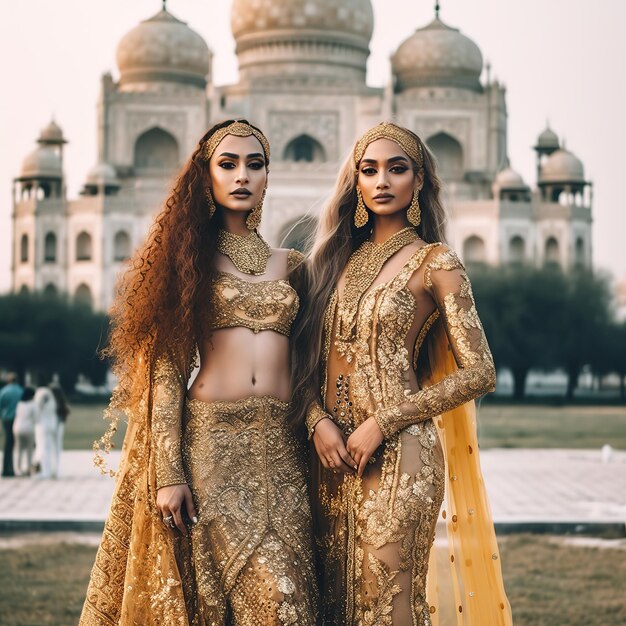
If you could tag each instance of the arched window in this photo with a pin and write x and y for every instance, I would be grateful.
(156, 150)
(83, 295)
(579, 252)
(24, 249)
(474, 250)
(552, 256)
(517, 249)
(83, 247)
(50, 248)
(24, 290)
(304, 148)
(449, 155)
(50, 291)
(121, 246)
(298, 234)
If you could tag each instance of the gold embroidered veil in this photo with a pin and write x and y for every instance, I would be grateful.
(475, 572)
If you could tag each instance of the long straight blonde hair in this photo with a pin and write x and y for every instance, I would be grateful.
(336, 239)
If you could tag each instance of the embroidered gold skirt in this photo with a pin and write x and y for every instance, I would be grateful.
(251, 548)
(374, 534)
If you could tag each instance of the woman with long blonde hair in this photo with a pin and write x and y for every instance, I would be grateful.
(210, 521)
(395, 357)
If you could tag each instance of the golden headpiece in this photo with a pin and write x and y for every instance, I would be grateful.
(238, 129)
(386, 130)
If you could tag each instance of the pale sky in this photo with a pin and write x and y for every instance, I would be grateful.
(562, 60)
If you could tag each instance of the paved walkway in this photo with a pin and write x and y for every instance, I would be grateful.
(561, 490)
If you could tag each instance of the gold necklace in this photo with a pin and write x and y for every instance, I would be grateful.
(249, 253)
(363, 267)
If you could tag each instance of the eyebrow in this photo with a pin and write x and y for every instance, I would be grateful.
(253, 155)
(391, 160)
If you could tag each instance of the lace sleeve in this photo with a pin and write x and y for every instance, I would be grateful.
(315, 414)
(447, 281)
(169, 388)
(294, 259)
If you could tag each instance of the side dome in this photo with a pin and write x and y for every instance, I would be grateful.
(548, 140)
(42, 162)
(52, 134)
(509, 179)
(437, 55)
(102, 174)
(163, 49)
(562, 166)
(283, 38)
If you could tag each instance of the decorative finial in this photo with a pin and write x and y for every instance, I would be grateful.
(164, 5)
(437, 7)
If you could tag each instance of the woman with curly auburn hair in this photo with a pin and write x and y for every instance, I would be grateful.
(210, 520)
(395, 355)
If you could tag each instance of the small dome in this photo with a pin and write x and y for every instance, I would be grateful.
(43, 162)
(52, 134)
(562, 167)
(102, 174)
(548, 139)
(508, 178)
(163, 49)
(438, 55)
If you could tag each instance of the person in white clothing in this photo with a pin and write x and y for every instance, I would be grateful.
(63, 410)
(24, 432)
(46, 426)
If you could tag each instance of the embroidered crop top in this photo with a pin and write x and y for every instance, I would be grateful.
(259, 305)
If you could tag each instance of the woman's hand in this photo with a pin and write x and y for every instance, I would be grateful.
(363, 442)
(331, 447)
(172, 501)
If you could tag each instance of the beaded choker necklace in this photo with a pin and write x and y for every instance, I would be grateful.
(363, 267)
(249, 254)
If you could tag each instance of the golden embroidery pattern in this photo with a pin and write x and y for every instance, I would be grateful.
(376, 532)
(266, 305)
(249, 254)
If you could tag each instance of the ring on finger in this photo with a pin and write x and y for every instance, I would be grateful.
(331, 463)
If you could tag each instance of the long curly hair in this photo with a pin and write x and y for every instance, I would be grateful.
(336, 239)
(162, 304)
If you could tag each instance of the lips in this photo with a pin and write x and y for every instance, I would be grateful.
(384, 196)
(241, 193)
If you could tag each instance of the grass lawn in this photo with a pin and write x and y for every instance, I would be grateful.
(548, 583)
(537, 426)
(499, 426)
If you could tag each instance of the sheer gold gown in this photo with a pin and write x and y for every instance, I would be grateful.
(375, 533)
(248, 561)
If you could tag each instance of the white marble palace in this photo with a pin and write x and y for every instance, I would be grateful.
(302, 79)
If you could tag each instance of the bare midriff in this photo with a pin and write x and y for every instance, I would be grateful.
(238, 363)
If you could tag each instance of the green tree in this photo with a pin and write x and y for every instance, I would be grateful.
(48, 335)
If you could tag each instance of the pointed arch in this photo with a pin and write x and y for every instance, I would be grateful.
(121, 246)
(304, 148)
(24, 248)
(84, 247)
(474, 250)
(517, 249)
(156, 150)
(449, 153)
(50, 248)
(82, 295)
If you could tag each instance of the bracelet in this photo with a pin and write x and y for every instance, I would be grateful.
(315, 415)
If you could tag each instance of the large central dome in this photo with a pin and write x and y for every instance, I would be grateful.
(307, 38)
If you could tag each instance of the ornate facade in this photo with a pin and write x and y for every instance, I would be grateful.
(302, 79)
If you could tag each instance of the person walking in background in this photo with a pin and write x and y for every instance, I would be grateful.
(46, 432)
(24, 432)
(63, 410)
(10, 395)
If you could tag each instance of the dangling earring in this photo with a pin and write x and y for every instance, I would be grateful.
(413, 213)
(210, 201)
(361, 216)
(254, 219)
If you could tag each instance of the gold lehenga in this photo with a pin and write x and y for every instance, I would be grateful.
(375, 533)
(248, 561)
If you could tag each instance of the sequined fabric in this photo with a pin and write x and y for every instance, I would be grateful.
(252, 541)
(375, 533)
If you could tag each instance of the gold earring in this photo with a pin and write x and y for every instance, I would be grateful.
(210, 202)
(361, 216)
(413, 213)
(254, 218)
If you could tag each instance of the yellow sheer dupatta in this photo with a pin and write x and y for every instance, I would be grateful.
(474, 559)
(141, 575)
